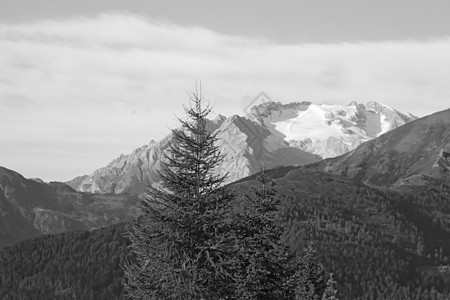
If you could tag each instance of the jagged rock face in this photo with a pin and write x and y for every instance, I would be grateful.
(131, 173)
(29, 208)
(247, 145)
(126, 173)
(328, 130)
(400, 156)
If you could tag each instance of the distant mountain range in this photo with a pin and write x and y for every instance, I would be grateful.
(271, 134)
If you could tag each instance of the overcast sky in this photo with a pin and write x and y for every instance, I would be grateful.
(83, 81)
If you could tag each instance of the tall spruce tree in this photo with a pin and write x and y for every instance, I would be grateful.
(183, 242)
(262, 267)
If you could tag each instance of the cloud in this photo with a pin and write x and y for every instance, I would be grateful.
(107, 84)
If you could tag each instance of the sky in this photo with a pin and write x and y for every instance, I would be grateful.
(82, 82)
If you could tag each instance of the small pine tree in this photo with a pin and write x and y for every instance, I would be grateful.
(330, 292)
(182, 242)
(308, 281)
(260, 272)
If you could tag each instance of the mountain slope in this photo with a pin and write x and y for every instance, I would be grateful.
(406, 154)
(29, 208)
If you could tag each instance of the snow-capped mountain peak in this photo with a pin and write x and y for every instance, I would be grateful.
(328, 130)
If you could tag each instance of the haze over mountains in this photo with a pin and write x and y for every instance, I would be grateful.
(271, 134)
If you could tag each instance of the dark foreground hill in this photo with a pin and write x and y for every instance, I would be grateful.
(380, 244)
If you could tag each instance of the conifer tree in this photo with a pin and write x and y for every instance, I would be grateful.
(309, 279)
(261, 270)
(182, 242)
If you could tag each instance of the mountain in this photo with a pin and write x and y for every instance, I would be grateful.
(272, 134)
(378, 243)
(379, 215)
(29, 208)
(248, 147)
(328, 130)
(407, 155)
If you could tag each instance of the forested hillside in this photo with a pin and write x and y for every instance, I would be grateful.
(75, 265)
(379, 244)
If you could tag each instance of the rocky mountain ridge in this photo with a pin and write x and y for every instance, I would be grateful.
(271, 134)
(247, 145)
